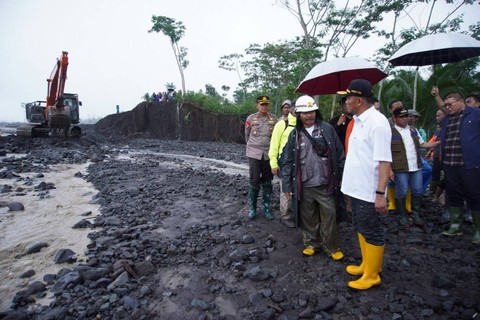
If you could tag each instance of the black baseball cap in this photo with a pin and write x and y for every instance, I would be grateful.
(358, 88)
(400, 112)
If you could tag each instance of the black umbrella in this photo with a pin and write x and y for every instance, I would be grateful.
(435, 49)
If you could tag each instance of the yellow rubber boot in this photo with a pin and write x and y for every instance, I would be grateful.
(358, 270)
(373, 265)
(391, 198)
(408, 201)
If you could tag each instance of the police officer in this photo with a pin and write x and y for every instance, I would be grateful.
(258, 132)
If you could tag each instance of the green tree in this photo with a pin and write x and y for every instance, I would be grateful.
(210, 90)
(462, 76)
(174, 30)
(170, 86)
(273, 68)
(231, 62)
(338, 29)
(398, 38)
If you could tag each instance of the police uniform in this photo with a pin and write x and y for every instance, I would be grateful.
(258, 132)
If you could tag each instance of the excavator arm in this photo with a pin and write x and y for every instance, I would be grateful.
(56, 83)
(57, 115)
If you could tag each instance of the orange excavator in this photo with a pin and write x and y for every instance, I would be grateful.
(59, 112)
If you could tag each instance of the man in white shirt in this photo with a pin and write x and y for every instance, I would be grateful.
(365, 178)
(407, 166)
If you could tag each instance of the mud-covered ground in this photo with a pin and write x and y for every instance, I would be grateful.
(173, 241)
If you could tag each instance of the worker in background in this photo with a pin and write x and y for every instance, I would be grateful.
(280, 134)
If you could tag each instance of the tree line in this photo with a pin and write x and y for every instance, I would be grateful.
(331, 30)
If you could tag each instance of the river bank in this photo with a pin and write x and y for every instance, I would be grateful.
(173, 241)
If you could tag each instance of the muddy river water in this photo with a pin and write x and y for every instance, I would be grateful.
(50, 219)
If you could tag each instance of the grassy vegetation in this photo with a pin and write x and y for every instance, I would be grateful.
(218, 104)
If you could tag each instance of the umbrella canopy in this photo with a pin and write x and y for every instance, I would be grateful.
(435, 49)
(335, 75)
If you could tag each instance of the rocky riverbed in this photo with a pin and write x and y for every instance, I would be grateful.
(172, 241)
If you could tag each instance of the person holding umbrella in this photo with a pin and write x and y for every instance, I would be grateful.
(367, 170)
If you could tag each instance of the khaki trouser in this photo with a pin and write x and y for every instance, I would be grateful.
(285, 205)
(318, 220)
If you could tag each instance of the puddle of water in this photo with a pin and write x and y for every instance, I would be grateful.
(227, 167)
(43, 220)
(6, 131)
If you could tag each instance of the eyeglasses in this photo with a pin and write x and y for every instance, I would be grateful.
(403, 116)
(448, 105)
(264, 104)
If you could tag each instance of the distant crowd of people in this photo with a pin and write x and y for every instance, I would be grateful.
(360, 165)
(166, 96)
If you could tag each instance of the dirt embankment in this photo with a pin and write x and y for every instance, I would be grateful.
(171, 120)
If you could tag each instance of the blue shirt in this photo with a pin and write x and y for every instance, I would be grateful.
(469, 137)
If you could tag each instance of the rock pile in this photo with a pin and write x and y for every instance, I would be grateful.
(173, 242)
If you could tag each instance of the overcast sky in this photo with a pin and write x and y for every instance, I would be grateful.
(114, 60)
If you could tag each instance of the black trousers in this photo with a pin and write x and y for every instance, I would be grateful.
(368, 222)
(260, 171)
(437, 169)
(462, 184)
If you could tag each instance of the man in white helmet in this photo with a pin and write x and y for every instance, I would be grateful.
(313, 165)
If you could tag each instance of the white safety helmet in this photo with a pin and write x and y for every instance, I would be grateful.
(305, 104)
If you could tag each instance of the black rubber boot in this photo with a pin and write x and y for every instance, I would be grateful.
(476, 227)
(403, 217)
(266, 193)
(445, 218)
(467, 213)
(416, 205)
(433, 187)
(455, 222)
(252, 198)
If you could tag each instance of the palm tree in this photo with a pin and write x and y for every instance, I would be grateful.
(463, 77)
